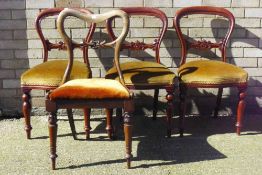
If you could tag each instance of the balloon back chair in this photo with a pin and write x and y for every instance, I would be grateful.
(92, 92)
(143, 75)
(48, 75)
(209, 73)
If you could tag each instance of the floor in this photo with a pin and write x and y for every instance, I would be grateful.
(209, 146)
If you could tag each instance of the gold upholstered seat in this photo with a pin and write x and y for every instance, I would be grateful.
(143, 73)
(51, 73)
(211, 72)
(95, 88)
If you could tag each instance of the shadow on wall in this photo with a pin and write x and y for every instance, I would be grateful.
(228, 104)
(251, 40)
(106, 57)
(195, 105)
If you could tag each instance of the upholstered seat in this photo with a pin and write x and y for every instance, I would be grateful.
(51, 73)
(211, 72)
(95, 88)
(143, 73)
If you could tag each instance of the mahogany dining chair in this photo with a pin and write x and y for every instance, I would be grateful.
(145, 74)
(91, 92)
(207, 73)
(48, 75)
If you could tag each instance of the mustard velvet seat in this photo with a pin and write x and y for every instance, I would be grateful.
(51, 73)
(143, 73)
(211, 72)
(95, 88)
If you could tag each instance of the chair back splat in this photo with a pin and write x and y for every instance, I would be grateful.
(185, 44)
(91, 92)
(47, 44)
(139, 45)
(96, 18)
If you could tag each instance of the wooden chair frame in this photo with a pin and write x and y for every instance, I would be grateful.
(53, 105)
(202, 45)
(155, 46)
(47, 47)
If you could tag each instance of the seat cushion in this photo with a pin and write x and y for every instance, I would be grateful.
(211, 72)
(94, 88)
(50, 73)
(143, 73)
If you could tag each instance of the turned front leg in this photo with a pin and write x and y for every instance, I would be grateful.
(27, 111)
(52, 124)
(128, 137)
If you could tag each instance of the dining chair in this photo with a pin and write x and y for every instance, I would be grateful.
(143, 74)
(207, 73)
(48, 75)
(92, 92)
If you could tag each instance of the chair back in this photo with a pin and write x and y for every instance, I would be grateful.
(203, 44)
(47, 44)
(92, 18)
(141, 45)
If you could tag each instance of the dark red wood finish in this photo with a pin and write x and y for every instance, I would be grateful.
(155, 46)
(47, 47)
(186, 45)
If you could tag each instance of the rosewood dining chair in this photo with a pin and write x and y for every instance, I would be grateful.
(144, 74)
(92, 92)
(48, 75)
(209, 73)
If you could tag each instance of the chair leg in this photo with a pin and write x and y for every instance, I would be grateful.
(87, 127)
(128, 137)
(182, 109)
(71, 122)
(109, 127)
(219, 97)
(155, 103)
(53, 136)
(169, 110)
(240, 109)
(27, 111)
